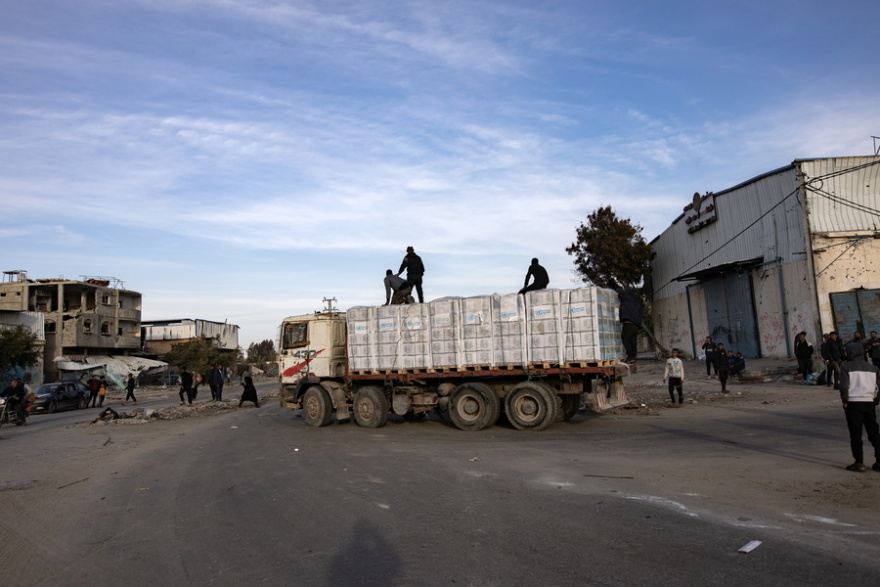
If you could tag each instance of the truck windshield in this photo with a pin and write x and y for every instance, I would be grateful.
(295, 335)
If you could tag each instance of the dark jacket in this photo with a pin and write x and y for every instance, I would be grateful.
(630, 306)
(835, 350)
(413, 265)
(803, 350)
(854, 350)
(186, 380)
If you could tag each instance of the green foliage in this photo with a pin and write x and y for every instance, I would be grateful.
(17, 348)
(610, 251)
(200, 355)
(260, 353)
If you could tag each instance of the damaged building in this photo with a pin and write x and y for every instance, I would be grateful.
(80, 319)
(795, 249)
(160, 335)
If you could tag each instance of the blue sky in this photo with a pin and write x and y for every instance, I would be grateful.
(240, 160)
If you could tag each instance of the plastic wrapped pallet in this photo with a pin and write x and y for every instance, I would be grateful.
(509, 329)
(389, 338)
(361, 337)
(415, 342)
(544, 334)
(476, 330)
(444, 332)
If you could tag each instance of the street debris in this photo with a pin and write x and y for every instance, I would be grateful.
(749, 546)
(147, 415)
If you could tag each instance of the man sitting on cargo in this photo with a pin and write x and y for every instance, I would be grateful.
(542, 280)
(401, 288)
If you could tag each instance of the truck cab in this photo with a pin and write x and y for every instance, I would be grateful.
(310, 346)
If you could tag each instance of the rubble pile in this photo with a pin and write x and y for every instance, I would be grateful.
(144, 416)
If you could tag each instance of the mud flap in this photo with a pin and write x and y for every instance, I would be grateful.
(337, 396)
(600, 399)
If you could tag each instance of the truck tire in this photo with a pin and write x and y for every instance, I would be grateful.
(370, 407)
(571, 403)
(474, 406)
(531, 406)
(317, 407)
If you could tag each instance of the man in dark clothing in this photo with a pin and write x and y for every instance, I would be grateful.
(803, 352)
(399, 287)
(415, 269)
(709, 349)
(836, 356)
(129, 388)
(215, 382)
(186, 383)
(859, 381)
(542, 280)
(737, 365)
(872, 349)
(855, 349)
(631, 322)
(94, 386)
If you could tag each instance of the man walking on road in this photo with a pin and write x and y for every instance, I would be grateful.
(859, 381)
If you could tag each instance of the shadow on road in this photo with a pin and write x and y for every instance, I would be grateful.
(369, 559)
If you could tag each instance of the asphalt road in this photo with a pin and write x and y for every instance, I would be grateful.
(256, 496)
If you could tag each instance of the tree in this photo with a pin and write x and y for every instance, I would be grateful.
(200, 355)
(262, 352)
(17, 348)
(610, 251)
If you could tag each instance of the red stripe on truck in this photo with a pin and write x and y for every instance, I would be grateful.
(291, 371)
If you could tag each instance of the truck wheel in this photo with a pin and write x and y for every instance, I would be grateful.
(571, 403)
(474, 406)
(531, 406)
(317, 407)
(370, 408)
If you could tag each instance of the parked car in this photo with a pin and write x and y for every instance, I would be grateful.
(54, 397)
(167, 379)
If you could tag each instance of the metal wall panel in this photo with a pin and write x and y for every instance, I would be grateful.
(843, 194)
(856, 311)
(731, 313)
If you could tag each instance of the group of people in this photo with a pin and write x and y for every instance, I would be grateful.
(835, 353)
(98, 388)
(723, 362)
(399, 290)
(216, 378)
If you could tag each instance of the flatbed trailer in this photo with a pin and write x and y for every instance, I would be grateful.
(316, 376)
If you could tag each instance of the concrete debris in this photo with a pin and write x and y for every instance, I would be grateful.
(143, 416)
(749, 546)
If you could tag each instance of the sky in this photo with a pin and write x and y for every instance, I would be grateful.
(242, 160)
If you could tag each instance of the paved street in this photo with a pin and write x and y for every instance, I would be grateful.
(665, 496)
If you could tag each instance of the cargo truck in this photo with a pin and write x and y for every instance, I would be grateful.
(535, 357)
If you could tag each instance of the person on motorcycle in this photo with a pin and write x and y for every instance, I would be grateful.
(15, 395)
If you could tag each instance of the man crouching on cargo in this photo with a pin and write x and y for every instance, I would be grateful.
(401, 288)
(859, 381)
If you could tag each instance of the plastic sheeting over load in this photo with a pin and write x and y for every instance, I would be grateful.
(545, 326)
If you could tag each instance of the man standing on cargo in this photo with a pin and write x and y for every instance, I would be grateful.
(414, 271)
(631, 322)
(542, 280)
(399, 286)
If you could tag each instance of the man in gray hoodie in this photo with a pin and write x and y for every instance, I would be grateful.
(859, 383)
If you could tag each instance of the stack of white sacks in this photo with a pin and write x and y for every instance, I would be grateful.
(546, 326)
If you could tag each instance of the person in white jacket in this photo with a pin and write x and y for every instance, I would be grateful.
(859, 383)
(674, 372)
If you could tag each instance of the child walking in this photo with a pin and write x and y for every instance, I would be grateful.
(674, 372)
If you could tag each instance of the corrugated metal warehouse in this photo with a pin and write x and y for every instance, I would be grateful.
(796, 249)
